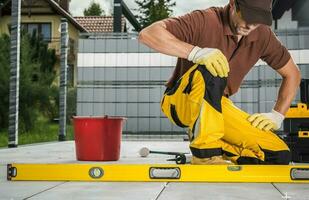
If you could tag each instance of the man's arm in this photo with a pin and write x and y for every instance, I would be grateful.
(290, 83)
(277, 57)
(291, 79)
(157, 37)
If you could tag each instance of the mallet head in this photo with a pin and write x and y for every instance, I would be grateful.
(144, 152)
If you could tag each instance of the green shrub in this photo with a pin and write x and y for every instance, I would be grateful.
(4, 80)
(71, 103)
(36, 93)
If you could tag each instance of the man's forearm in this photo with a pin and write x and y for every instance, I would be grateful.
(157, 37)
(287, 92)
(273, 120)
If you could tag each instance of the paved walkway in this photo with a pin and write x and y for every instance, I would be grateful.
(64, 152)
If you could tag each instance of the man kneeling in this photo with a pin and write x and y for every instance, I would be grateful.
(216, 48)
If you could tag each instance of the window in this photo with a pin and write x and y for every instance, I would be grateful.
(43, 29)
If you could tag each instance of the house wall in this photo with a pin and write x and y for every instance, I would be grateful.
(55, 20)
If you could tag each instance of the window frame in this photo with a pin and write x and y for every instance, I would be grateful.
(39, 28)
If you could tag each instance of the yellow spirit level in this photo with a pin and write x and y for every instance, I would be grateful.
(159, 173)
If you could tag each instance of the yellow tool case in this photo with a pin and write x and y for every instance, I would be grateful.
(296, 126)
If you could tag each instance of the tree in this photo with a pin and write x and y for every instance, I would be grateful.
(37, 95)
(94, 9)
(4, 79)
(151, 11)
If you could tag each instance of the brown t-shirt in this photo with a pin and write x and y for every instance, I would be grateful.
(211, 28)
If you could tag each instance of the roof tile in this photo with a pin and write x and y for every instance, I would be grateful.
(99, 24)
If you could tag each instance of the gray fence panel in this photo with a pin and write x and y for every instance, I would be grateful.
(88, 46)
(154, 110)
(122, 95)
(88, 74)
(98, 94)
(121, 109)
(87, 109)
(111, 46)
(132, 109)
(109, 95)
(133, 46)
(155, 125)
(98, 109)
(305, 71)
(121, 74)
(87, 94)
(293, 41)
(143, 125)
(136, 91)
(132, 95)
(132, 74)
(122, 46)
(303, 41)
(132, 125)
(155, 74)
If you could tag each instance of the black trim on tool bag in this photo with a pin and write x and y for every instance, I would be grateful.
(193, 130)
(188, 88)
(214, 88)
(175, 117)
(206, 153)
(162, 101)
(245, 160)
(171, 91)
(282, 157)
(228, 154)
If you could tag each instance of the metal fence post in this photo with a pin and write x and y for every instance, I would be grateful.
(14, 74)
(63, 79)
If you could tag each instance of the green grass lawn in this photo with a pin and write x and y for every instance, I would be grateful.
(44, 131)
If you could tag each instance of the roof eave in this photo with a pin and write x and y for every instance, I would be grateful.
(67, 15)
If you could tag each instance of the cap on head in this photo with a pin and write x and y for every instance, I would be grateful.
(255, 11)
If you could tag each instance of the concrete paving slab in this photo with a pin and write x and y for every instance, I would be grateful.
(45, 153)
(3, 172)
(219, 191)
(21, 189)
(294, 191)
(64, 152)
(110, 191)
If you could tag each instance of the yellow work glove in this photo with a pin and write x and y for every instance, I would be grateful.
(214, 60)
(267, 121)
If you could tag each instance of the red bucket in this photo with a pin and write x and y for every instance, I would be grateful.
(98, 138)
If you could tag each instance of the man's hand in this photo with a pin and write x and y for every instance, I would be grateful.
(267, 121)
(214, 60)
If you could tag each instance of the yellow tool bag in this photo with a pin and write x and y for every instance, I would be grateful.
(216, 127)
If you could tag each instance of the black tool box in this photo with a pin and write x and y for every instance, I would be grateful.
(296, 126)
(299, 148)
